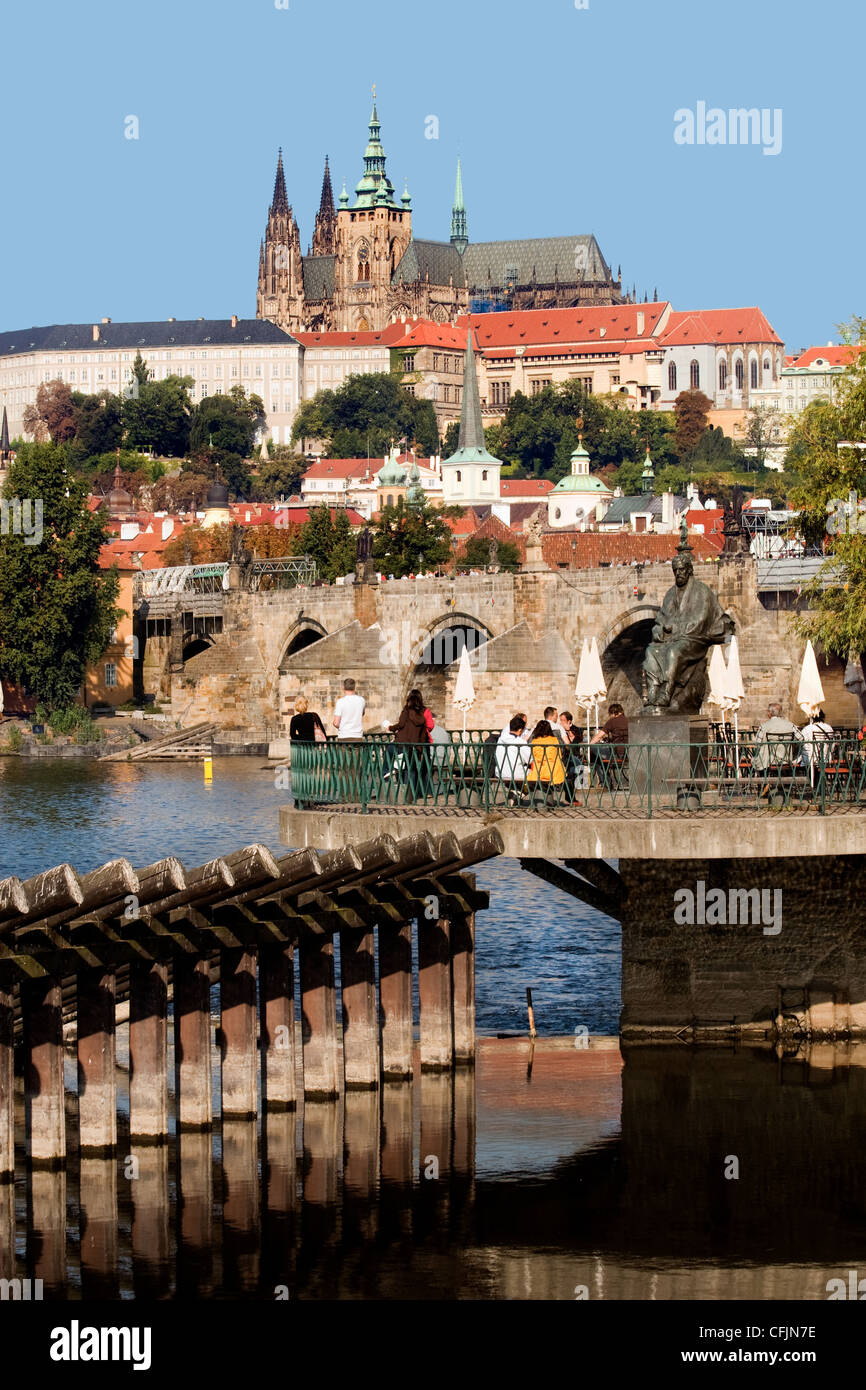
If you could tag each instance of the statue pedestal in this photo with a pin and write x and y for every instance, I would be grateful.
(678, 752)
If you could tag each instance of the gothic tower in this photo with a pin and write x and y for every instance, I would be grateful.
(280, 296)
(459, 235)
(371, 237)
(325, 234)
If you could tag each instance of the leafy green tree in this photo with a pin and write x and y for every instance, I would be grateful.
(231, 467)
(476, 555)
(763, 432)
(227, 422)
(159, 416)
(408, 540)
(279, 477)
(366, 415)
(57, 607)
(98, 423)
(539, 433)
(330, 542)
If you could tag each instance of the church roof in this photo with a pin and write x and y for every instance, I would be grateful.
(78, 337)
(437, 259)
(471, 447)
(582, 482)
(565, 257)
(701, 326)
(621, 508)
(319, 281)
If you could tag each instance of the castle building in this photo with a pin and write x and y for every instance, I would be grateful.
(366, 269)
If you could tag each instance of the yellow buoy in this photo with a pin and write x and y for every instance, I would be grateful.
(208, 769)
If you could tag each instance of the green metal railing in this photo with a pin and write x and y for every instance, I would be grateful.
(642, 779)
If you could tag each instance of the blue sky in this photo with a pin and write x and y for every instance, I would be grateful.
(563, 117)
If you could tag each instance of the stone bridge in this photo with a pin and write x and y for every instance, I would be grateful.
(245, 667)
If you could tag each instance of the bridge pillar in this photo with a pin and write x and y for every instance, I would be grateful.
(7, 1089)
(43, 1071)
(721, 948)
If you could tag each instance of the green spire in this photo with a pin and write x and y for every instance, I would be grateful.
(374, 188)
(459, 237)
(415, 494)
(470, 441)
(344, 197)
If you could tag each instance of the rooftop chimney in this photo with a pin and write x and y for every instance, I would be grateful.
(106, 320)
(95, 331)
(234, 320)
(641, 322)
(172, 320)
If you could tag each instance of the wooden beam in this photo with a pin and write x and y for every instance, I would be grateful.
(601, 875)
(148, 1053)
(238, 1033)
(192, 1043)
(360, 1008)
(319, 1016)
(41, 1012)
(434, 993)
(277, 1010)
(97, 1090)
(395, 998)
(462, 945)
(7, 1090)
(571, 884)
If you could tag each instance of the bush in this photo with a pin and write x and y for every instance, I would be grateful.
(75, 721)
(16, 739)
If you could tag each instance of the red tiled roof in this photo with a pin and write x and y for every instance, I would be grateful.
(617, 548)
(702, 326)
(837, 354)
(297, 516)
(560, 327)
(369, 339)
(524, 487)
(342, 468)
(712, 519)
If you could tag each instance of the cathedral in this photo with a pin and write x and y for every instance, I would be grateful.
(365, 269)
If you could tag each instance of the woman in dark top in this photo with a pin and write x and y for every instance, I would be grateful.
(411, 731)
(304, 724)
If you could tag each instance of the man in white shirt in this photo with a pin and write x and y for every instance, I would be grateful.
(349, 712)
(513, 751)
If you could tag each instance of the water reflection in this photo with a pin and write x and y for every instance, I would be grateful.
(590, 1175)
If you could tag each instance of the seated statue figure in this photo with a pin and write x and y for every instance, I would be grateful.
(689, 622)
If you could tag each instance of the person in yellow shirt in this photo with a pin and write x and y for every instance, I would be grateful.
(545, 775)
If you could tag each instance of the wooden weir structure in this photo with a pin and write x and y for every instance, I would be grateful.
(73, 944)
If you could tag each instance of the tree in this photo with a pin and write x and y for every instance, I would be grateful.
(476, 555)
(329, 541)
(279, 477)
(408, 540)
(98, 423)
(691, 411)
(365, 416)
(828, 473)
(52, 415)
(230, 467)
(452, 435)
(763, 431)
(227, 422)
(159, 416)
(183, 492)
(57, 607)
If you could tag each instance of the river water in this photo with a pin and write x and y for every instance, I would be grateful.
(555, 1171)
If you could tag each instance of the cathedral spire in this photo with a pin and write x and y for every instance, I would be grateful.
(326, 202)
(374, 188)
(5, 448)
(459, 237)
(280, 201)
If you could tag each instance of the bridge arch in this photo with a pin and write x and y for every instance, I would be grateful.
(439, 645)
(303, 633)
(622, 646)
(194, 644)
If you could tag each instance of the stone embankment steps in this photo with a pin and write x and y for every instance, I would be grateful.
(195, 742)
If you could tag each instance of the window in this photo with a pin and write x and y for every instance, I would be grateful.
(411, 390)
(484, 475)
(753, 374)
(446, 364)
(409, 362)
(459, 476)
(446, 393)
(766, 366)
(723, 375)
(694, 374)
(110, 674)
(435, 361)
(738, 373)
(672, 376)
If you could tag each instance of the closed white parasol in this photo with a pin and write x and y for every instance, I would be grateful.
(584, 691)
(464, 690)
(810, 691)
(597, 674)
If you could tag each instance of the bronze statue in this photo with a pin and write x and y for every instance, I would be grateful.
(689, 622)
(364, 545)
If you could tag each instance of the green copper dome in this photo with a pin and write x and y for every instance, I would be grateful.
(391, 475)
(580, 482)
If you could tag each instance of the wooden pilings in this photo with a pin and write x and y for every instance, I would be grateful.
(338, 925)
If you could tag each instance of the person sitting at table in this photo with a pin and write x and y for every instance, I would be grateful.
(546, 772)
(513, 756)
